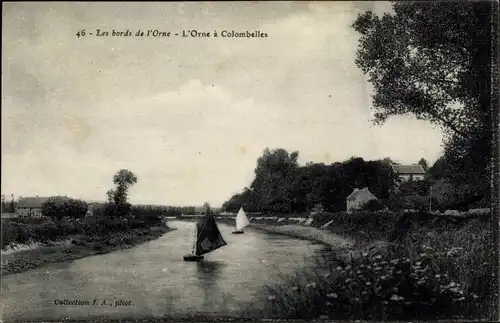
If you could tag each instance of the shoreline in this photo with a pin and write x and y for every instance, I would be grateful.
(74, 247)
(307, 233)
(345, 248)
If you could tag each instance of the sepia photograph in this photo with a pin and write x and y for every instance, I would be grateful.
(219, 161)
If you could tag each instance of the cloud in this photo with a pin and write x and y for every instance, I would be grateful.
(188, 116)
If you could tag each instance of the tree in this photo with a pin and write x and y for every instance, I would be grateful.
(437, 170)
(118, 198)
(439, 72)
(123, 179)
(206, 207)
(12, 204)
(388, 161)
(59, 207)
(273, 180)
(422, 162)
(111, 196)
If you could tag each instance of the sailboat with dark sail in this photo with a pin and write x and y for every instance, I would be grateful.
(207, 238)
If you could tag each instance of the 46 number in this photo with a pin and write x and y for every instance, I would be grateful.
(80, 33)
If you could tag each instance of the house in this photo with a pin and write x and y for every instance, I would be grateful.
(94, 208)
(413, 172)
(30, 206)
(358, 198)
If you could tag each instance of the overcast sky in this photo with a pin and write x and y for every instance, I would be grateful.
(189, 116)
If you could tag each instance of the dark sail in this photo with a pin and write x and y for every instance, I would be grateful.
(209, 237)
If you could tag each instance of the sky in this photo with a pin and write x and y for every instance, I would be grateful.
(189, 116)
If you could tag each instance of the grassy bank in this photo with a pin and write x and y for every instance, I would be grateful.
(71, 239)
(434, 267)
(366, 226)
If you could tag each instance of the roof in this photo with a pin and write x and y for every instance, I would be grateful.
(408, 169)
(31, 202)
(360, 192)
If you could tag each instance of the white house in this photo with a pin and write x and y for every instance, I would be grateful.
(358, 198)
(411, 172)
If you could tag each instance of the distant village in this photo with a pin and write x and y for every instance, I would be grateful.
(32, 206)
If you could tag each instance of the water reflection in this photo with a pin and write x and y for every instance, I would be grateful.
(207, 279)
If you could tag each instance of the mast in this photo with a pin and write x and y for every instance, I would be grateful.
(195, 238)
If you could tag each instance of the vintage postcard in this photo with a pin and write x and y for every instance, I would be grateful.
(330, 160)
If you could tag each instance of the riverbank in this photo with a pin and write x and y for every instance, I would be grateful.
(344, 247)
(424, 270)
(34, 255)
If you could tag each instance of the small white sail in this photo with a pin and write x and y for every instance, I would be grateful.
(241, 220)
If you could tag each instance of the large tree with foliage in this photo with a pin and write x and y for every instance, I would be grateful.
(123, 179)
(433, 60)
(118, 197)
(273, 179)
(422, 162)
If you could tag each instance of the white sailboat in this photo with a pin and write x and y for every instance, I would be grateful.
(241, 221)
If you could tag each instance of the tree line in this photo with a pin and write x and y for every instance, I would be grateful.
(282, 186)
(59, 207)
(8, 206)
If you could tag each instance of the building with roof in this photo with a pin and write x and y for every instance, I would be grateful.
(413, 172)
(30, 206)
(94, 208)
(358, 198)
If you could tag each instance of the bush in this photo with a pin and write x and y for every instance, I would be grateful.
(112, 210)
(48, 231)
(58, 207)
(373, 205)
(150, 219)
(106, 224)
(387, 225)
(29, 220)
(137, 224)
(365, 225)
(420, 188)
(15, 232)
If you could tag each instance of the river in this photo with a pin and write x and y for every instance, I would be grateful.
(152, 279)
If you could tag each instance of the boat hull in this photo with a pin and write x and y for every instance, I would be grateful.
(192, 257)
(237, 232)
